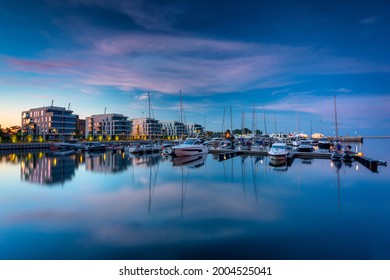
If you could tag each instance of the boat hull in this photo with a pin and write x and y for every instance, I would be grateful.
(189, 150)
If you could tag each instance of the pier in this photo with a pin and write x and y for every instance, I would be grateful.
(371, 164)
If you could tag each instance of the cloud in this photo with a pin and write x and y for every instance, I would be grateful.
(368, 20)
(165, 63)
(148, 15)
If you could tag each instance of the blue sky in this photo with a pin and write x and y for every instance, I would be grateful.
(288, 57)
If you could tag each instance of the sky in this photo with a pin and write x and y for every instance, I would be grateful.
(270, 65)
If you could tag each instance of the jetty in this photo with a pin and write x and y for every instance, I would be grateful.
(371, 164)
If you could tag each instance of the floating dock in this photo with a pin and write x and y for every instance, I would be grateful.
(371, 164)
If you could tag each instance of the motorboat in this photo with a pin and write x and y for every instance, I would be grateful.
(143, 149)
(190, 147)
(324, 143)
(66, 146)
(278, 152)
(94, 147)
(225, 145)
(305, 146)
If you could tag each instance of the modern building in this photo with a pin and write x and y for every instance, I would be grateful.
(51, 122)
(173, 129)
(108, 125)
(194, 129)
(143, 128)
(80, 125)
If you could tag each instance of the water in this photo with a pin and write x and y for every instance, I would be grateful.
(110, 206)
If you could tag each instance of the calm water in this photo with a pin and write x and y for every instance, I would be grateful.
(109, 206)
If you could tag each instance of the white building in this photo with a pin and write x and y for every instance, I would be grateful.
(173, 129)
(51, 122)
(108, 125)
(143, 128)
(194, 129)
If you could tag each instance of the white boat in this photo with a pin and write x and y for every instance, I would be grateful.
(305, 146)
(143, 149)
(278, 152)
(66, 146)
(190, 147)
(324, 143)
(94, 147)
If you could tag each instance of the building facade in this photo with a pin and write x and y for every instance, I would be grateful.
(173, 129)
(143, 128)
(108, 125)
(194, 129)
(50, 122)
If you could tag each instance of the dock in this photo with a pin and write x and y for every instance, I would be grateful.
(371, 164)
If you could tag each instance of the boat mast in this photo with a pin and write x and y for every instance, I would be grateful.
(265, 124)
(335, 118)
(181, 116)
(149, 124)
(253, 120)
(276, 131)
(223, 120)
(242, 124)
(231, 120)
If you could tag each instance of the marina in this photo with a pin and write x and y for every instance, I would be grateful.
(221, 205)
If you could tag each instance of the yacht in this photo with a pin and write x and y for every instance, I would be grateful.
(190, 147)
(324, 143)
(305, 146)
(143, 149)
(278, 152)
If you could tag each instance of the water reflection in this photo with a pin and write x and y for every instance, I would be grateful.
(190, 208)
(51, 169)
(47, 170)
(190, 161)
(108, 162)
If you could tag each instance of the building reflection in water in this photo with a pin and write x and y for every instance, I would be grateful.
(107, 162)
(47, 170)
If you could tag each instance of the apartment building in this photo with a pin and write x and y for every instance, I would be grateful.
(143, 128)
(51, 122)
(173, 128)
(194, 129)
(108, 125)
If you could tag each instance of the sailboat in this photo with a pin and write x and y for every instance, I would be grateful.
(149, 147)
(191, 146)
(337, 146)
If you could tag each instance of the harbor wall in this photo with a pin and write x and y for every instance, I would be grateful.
(24, 146)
